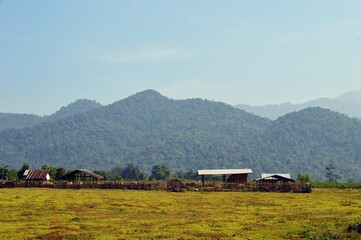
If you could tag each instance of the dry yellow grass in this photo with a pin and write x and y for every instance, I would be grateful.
(118, 214)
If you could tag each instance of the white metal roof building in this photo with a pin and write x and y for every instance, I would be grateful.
(285, 177)
(224, 172)
(266, 175)
(235, 175)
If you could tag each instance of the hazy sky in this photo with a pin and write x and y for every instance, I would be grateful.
(242, 51)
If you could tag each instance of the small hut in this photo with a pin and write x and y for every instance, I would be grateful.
(234, 175)
(82, 175)
(279, 182)
(37, 175)
(271, 178)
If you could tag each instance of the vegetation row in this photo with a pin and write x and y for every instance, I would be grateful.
(132, 172)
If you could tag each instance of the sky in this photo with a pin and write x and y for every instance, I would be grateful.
(235, 51)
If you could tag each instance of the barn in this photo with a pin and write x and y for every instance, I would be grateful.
(82, 175)
(229, 175)
(37, 175)
(275, 178)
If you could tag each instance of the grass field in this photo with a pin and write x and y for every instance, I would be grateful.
(119, 214)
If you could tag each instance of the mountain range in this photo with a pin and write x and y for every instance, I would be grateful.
(348, 103)
(147, 129)
(16, 121)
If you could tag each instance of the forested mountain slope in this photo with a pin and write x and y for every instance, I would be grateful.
(14, 120)
(309, 140)
(146, 129)
(17, 121)
(79, 106)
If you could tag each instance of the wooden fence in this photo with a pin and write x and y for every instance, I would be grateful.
(187, 186)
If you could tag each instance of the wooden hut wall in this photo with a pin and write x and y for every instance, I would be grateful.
(238, 178)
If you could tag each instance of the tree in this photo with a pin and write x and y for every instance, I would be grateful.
(22, 170)
(117, 171)
(4, 172)
(45, 167)
(116, 174)
(12, 175)
(179, 174)
(106, 176)
(132, 172)
(304, 178)
(191, 175)
(59, 173)
(160, 172)
(331, 174)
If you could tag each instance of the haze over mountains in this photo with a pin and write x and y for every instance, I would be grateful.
(348, 103)
(148, 128)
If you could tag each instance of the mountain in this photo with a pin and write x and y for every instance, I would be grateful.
(309, 140)
(147, 129)
(270, 111)
(11, 120)
(79, 106)
(349, 103)
(351, 97)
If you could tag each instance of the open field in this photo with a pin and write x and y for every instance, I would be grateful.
(118, 214)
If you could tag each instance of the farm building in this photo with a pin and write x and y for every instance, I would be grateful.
(82, 175)
(280, 182)
(37, 175)
(275, 178)
(234, 175)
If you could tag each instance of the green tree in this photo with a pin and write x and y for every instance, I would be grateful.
(106, 176)
(59, 173)
(12, 175)
(117, 171)
(304, 178)
(189, 175)
(52, 172)
(331, 174)
(4, 172)
(160, 172)
(133, 172)
(179, 174)
(22, 170)
(45, 167)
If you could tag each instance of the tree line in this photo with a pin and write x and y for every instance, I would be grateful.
(130, 172)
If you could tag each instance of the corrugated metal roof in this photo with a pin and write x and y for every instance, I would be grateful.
(275, 177)
(37, 175)
(285, 175)
(224, 171)
(26, 172)
(84, 171)
(90, 173)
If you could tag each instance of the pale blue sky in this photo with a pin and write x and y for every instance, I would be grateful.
(251, 52)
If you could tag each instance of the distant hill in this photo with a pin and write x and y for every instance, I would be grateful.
(351, 97)
(79, 106)
(11, 120)
(308, 140)
(348, 103)
(147, 129)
